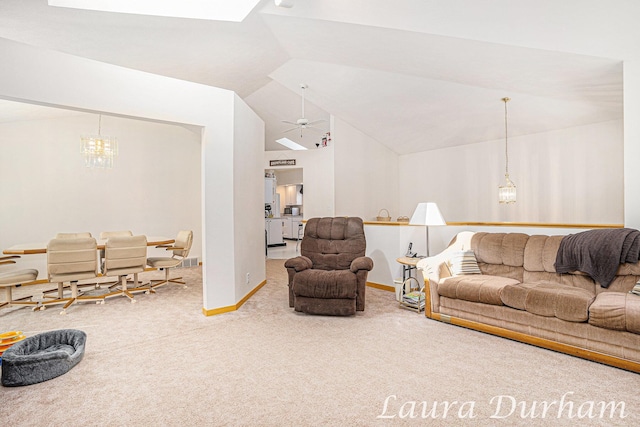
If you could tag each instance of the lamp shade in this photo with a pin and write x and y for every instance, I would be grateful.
(427, 213)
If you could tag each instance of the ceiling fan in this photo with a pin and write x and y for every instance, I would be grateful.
(303, 122)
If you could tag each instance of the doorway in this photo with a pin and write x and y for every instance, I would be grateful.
(289, 212)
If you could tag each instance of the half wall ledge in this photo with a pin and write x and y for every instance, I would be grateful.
(504, 224)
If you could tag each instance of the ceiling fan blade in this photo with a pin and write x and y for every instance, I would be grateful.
(289, 130)
(289, 122)
(315, 122)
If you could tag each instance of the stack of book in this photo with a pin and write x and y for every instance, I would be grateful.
(414, 299)
(636, 289)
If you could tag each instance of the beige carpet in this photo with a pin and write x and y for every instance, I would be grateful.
(161, 362)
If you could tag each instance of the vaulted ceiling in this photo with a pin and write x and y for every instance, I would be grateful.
(414, 75)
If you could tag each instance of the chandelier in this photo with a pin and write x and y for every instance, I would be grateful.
(506, 192)
(98, 151)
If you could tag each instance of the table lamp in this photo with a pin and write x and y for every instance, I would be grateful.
(427, 213)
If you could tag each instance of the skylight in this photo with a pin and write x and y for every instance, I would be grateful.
(290, 144)
(216, 10)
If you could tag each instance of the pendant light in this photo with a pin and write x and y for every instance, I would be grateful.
(98, 151)
(506, 192)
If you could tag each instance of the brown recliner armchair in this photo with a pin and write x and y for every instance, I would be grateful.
(330, 275)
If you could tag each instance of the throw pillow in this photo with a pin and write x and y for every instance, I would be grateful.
(464, 262)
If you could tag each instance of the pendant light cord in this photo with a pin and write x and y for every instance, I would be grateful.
(506, 139)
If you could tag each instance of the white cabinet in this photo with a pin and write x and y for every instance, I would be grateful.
(274, 231)
(269, 190)
(286, 228)
(294, 194)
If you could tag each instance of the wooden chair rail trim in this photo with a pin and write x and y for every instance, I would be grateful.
(503, 224)
(540, 342)
(533, 224)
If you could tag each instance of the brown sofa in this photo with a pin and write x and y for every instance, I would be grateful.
(330, 275)
(519, 295)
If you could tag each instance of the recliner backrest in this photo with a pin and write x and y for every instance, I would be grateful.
(333, 243)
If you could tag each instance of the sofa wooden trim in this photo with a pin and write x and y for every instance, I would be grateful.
(539, 342)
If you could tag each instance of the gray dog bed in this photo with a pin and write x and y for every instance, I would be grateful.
(42, 357)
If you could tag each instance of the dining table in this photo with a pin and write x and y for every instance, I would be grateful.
(41, 247)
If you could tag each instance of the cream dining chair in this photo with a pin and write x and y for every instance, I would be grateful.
(14, 278)
(61, 287)
(105, 235)
(180, 250)
(69, 260)
(125, 255)
(73, 235)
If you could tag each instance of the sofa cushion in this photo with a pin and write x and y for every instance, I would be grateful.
(550, 300)
(499, 248)
(325, 284)
(616, 310)
(540, 253)
(475, 288)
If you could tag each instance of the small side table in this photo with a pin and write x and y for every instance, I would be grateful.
(409, 265)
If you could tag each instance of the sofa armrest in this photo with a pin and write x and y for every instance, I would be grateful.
(433, 268)
(361, 263)
(298, 263)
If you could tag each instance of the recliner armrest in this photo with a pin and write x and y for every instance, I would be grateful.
(298, 263)
(361, 263)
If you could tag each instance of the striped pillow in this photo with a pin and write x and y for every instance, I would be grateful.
(464, 262)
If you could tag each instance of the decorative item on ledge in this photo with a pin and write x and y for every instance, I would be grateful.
(403, 219)
(507, 192)
(99, 151)
(383, 218)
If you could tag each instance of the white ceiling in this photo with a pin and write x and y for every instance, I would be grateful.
(413, 74)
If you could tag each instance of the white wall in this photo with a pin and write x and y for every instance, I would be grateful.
(566, 176)
(46, 189)
(366, 174)
(248, 198)
(632, 144)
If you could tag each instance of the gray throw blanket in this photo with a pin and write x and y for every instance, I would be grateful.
(598, 253)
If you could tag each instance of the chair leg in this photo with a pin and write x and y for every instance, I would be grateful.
(76, 296)
(166, 281)
(59, 300)
(126, 291)
(9, 301)
(152, 285)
